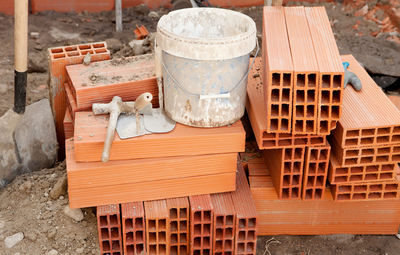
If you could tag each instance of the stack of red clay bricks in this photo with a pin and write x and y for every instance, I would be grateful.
(223, 223)
(295, 100)
(366, 143)
(203, 159)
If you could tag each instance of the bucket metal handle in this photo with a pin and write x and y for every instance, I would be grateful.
(213, 96)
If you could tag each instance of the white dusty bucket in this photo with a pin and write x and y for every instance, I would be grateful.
(205, 62)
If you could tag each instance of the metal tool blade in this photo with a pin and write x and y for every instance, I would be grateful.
(126, 126)
(158, 122)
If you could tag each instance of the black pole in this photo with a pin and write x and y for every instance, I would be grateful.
(20, 81)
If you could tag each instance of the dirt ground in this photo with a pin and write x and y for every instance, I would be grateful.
(25, 204)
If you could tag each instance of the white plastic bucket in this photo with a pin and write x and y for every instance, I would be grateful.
(205, 63)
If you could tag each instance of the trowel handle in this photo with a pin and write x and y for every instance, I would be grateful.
(112, 123)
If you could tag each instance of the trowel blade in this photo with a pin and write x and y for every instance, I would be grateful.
(158, 122)
(126, 126)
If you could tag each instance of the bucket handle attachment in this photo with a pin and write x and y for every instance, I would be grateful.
(213, 96)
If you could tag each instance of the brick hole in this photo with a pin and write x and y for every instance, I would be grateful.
(183, 225)
(229, 220)
(139, 223)
(351, 142)
(287, 167)
(71, 48)
(296, 167)
(326, 81)
(396, 149)
(396, 129)
(359, 196)
(384, 176)
(343, 170)
(57, 56)
(183, 238)
(152, 237)
(371, 177)
(183, 213)
(310, 111)
(174, 250)
(250, 247)
(115, 245)
(320, 181)
(382, 159)
(295, 192)
(311, 96)
(275, 110)
(309, 125)
(288, 153)
(351, 153)
(344, 188)
(383, 151)
(129, 237)
(312, 168)
(339, 179)
(103, 221)
(162, 237)
(114, 233)
(251, 235)
(276, 79)
(388, 167)
(220, 221)
(298, 153)
(333, 123)
(368, 132)
(240, 247)
(383, 139)
(390, 195)
(104, 233)
(73, 54)
(323, 155)
(323, 126)
(312, 80)
(317, 140)
(98, 45)
(219, 233)
(197, 217)
(300, 96)
(337, 81)
(318, 194)
(309, 194)
(84, 47)
(360, 188)
(351, 161)
(206, 241)
(275, 95)
(300, 141)
(139, 235)
(162, 249)
(372, 169)
(183, 249)
(173, 213)
(228, 232)
(395, 138)
(153, 249)
(106, 246)
(113, 220)
(285, 110)
(206, 229)
(286, 180)
(343, 197)
(295, 180)
(252, 222)
(174, 238)
(324, 111)
(335, 112)
(206, 252)
(130, 250)
(383, 131)
(196, 252)
(356, 178)
(218, 245)
(100, 51)
(286, 79)
(162, 224)
(207, 216)
(325, 97)
(300, 111)
(174, 226)
(356, 170)
(197, 229)
(267, 135)
(374, 195)
(58, 50)
(390, 187)
(301, 80)
(285, 193)
(376, 187)
(242, 223)
(227, 245)
(310, 181)
(352, 133)
(84, 52)
(274, 124)
(313, 154)
(129, 224)
(322, 166)
(367, 160)
(336, 97)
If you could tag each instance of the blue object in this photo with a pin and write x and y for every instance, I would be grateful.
(346, 65)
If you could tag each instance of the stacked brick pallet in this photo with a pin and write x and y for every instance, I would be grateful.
(366, 144)
(204, 160)
(294, 98)
(222, 223)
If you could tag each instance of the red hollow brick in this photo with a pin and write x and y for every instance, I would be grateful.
(109, 229)
(133, 228)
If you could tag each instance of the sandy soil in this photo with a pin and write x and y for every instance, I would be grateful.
(25, 205)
